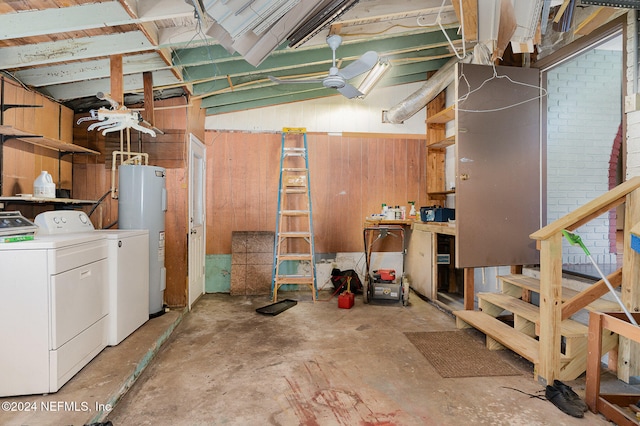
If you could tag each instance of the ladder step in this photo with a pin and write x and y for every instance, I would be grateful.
(295, 234)
(294, 169)
(294, 152)
(295, 256)
(296, 191)
(294, 212)
(294, 279)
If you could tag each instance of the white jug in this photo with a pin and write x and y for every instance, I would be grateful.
(43, 186)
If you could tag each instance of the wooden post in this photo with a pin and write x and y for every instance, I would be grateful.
(550, 308)
(149, 112)
(628, 351)
(593, 361)
(469, 289)
(117, 84)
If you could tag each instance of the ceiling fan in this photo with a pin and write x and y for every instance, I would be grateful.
(337, 78)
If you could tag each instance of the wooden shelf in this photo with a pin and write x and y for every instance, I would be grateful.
(443, 116)
(26, 199)
(452, 191)
(12, 133)
(443, 143)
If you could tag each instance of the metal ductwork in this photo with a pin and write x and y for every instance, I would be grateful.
(429, 90)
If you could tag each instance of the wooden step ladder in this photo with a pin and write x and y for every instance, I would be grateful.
(294, 254)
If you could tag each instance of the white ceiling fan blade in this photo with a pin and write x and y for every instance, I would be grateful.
(349, 91)
(364, 64)
(279, 81)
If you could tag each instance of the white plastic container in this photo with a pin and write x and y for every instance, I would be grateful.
(43, 186)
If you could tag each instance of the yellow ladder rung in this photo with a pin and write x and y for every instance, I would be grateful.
(294, 129)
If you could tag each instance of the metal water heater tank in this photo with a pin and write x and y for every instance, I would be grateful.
(142, 203)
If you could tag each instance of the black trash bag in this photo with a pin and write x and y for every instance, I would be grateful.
(339, 280)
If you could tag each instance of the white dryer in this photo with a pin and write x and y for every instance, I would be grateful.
(54, 309)
(128, 273)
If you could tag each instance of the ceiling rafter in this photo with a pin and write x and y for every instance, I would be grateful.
(64, 51)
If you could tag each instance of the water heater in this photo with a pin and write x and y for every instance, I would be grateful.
(142, 203)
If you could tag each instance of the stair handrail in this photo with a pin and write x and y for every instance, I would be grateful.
(590, 294)
(549, 242)
(589, 211)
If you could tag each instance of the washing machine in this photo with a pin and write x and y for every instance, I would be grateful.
(55, 307)
(127, 269)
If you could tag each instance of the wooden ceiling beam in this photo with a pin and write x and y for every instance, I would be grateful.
(470, 16)
(54, 52)
(117, 85)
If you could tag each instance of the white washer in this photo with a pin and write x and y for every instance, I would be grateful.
(54, 310)
(127, 272)
(128, 281)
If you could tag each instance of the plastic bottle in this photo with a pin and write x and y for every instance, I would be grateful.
(43, 186)
(412, 212)
(391, 214)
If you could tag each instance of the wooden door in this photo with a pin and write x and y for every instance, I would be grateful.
(498, 165)
(197, 218)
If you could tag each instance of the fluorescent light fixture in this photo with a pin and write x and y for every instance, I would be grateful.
(630, 4)
(374, 76)
(331, 10)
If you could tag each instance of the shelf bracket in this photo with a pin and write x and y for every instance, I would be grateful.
(9, 106)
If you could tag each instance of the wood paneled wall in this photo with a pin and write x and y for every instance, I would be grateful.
(351, 176)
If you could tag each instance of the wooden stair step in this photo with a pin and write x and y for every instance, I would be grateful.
(568, 328)
(519, 343)
(533, 284)
(511, 304)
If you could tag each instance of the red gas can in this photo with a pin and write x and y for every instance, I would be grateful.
(346, 300)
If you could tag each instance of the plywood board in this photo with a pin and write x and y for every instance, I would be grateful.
(470, 14)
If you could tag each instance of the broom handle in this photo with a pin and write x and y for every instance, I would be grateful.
(615, 295)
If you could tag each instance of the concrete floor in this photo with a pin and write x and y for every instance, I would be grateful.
(314, 364)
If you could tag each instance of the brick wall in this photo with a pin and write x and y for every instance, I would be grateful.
(584, 114)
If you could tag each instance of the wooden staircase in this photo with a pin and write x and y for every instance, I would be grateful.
(547, 335)
(520, 333)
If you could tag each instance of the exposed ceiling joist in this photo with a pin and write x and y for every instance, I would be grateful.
(62, 48)
(76, 18)
(73, 49)
(88, 70)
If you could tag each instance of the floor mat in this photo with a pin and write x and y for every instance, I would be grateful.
(277, 308)
(457, 354)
